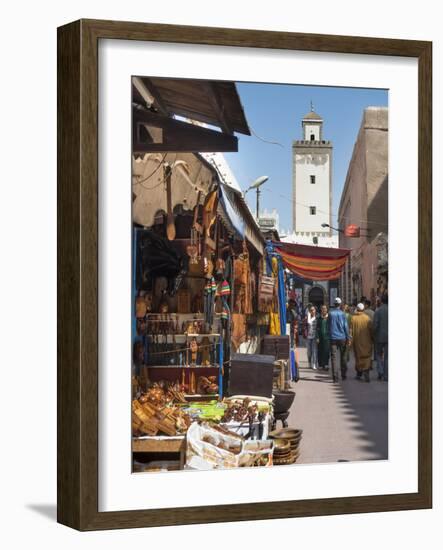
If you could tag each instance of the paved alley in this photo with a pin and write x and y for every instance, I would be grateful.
(341, 422)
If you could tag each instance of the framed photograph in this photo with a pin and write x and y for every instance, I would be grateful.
(238, 210)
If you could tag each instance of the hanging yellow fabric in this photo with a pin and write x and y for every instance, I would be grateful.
(274, 323)
(274, 316)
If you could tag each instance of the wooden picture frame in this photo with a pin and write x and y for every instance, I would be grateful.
(78, 276)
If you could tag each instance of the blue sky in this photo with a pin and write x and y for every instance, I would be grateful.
(274, 112)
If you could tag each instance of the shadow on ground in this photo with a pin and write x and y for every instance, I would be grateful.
(360, 406)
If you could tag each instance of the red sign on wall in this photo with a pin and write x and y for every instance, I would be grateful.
(352, 231)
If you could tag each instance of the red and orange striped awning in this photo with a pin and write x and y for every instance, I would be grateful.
(317, 263)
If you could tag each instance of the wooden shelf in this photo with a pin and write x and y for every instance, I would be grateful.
(203, 335)
(158, 444)
(175, 314)
(187, 334)
(200, 395)
(182, 366)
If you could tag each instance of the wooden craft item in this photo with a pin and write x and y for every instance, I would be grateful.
(192, 383)
(205, 386)
(170, 225)
(163, 307)
(208, 265)
(197, 303)
(140, 307)
(194, 350)
(183, 301)
(148, 302)
(196, 230)
(205, 348)
(195, 225)
(192, 250)
(210, 212)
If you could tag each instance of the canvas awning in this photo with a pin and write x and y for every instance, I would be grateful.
(317, 263)
(238, 218)
(229, 214)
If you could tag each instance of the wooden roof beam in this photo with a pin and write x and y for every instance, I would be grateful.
(178, 136)
(219, 107)
(153, 91)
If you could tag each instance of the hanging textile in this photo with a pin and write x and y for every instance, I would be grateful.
(281, 297)
(239, 330)
(209, 297)
(242, 283)
(274, 267)
(274, 324)
(316, 263)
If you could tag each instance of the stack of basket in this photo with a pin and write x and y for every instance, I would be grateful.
(286, 445)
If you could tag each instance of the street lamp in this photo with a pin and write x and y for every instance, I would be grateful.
(334, 228)
(352, 230)
(256, 185)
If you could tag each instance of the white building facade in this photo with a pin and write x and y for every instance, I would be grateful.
(312, 184)
(312, 206)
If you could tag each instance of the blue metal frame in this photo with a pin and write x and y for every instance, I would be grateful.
(220, 368)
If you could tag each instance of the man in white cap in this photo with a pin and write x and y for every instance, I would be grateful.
(338, 339)
(361, 337)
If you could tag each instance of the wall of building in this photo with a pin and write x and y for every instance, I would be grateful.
(312, 128)
(307, 237)
(364, 202)
(311, 161)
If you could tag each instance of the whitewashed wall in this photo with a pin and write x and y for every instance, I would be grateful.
(308, 194)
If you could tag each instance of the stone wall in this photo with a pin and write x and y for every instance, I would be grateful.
(364, 202)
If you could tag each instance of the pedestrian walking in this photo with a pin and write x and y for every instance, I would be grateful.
(311, 338)
(292, 320)
(380, 328)
(368, 310)
(370, 313)
(338, 339)
(323, 338)
(307, 310)
(347, 311)
(361, 338)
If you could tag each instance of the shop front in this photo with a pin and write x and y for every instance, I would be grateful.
(205, 293)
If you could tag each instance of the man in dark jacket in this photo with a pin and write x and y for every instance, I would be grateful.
(338, 339)
(380, 328)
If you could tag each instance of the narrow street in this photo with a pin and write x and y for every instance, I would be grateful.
(341, 422)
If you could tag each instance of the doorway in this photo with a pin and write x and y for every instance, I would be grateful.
(316, 296)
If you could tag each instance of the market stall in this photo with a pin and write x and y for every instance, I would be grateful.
(200, 286)
(163, 422)
(195, 276)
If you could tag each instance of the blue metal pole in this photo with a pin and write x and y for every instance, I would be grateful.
(220, 369)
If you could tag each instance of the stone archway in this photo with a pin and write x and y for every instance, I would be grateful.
(317, 296)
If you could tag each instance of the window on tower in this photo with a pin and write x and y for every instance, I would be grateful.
(312, 210)
(312, 137)
(312, 179)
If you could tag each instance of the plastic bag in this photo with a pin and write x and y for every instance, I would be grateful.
(208, 448)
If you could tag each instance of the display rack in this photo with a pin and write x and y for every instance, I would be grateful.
(185, 372)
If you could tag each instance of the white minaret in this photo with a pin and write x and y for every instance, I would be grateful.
(312, 179)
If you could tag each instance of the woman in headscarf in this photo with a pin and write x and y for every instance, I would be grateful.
(311, 338)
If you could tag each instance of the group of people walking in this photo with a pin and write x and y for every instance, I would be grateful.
(332, 333)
